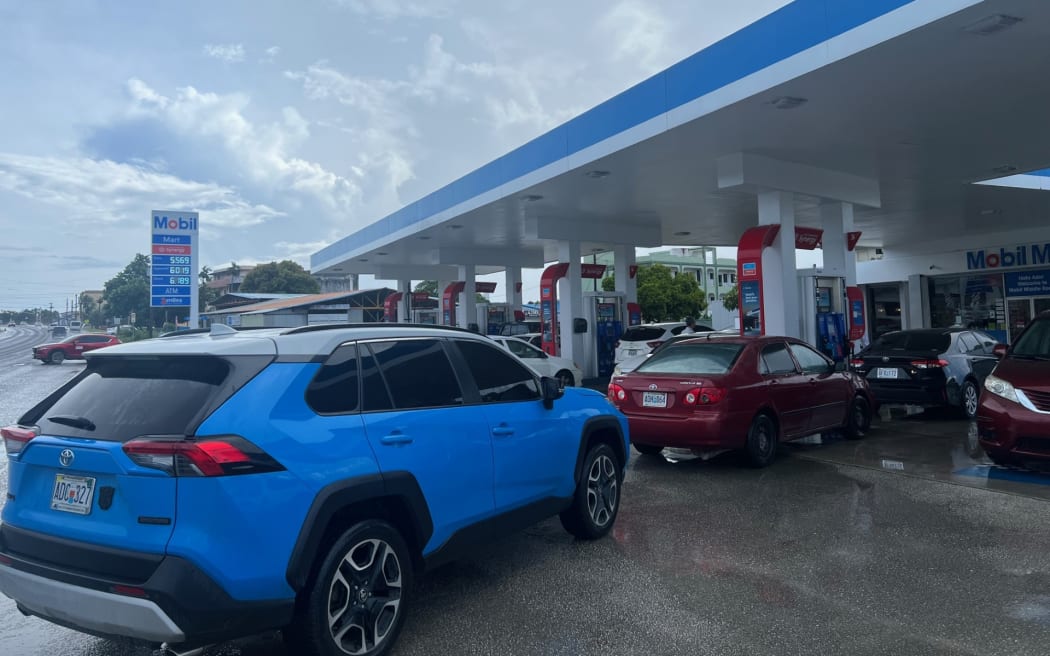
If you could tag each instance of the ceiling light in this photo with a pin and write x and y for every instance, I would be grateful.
(424, 237)
(337, 269)
(1005, 168)
(787, 102)
(682, 233)
(994, 24)
(597, 175)
(454, 226)
(991, 212)
(532, 198)
(382, 253)
(363, 259)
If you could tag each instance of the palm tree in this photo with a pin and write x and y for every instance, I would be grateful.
(235, 273)
(205, 274)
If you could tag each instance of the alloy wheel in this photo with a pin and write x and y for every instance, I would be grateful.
(364, 597)
(970, 399)
(602, 490)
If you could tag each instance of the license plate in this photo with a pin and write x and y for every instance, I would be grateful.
(73, 494)
(886, 372)
(654, 400)
(632, 352)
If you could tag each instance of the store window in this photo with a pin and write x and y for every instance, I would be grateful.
(884, 303)
(970, 301)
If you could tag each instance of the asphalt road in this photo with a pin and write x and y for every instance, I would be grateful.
(817, 554)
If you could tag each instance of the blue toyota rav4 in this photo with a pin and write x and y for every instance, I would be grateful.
(206, 486)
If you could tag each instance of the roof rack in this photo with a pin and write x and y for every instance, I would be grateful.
(201, 331)
(380, 325)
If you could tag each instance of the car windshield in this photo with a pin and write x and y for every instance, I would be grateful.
(642, 334)
(913, 341)
(693, 358)
(1035, 342)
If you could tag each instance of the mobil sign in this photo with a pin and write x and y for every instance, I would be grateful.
(173, 259)
(1016, 256)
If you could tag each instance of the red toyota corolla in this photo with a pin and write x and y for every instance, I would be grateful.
(747, 393)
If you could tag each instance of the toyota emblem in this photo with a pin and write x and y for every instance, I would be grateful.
(885, 359)
(653, 386)
(66, 457)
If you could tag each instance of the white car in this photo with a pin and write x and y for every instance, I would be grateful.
(630, 364)
(565, 370)
(641, 340)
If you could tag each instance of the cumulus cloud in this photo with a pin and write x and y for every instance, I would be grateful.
(638, 32)
(394, 9)
(230, 53)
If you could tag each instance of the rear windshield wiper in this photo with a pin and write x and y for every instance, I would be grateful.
(82, 423)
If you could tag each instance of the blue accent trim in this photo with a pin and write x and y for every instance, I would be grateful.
(1003, 474)
(774, 38)
(1044, 173)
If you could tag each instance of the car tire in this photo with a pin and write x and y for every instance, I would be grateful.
(597, 498)
(58, 357)
(648, 449)
(565, 378)
(761, 448)
(363, 589)
(859, 420)
(970, 396)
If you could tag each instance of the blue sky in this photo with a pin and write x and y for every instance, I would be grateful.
(287, 125)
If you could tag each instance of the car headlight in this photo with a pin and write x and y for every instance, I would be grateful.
(1000, 387)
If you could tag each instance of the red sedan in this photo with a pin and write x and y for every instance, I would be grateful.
(72, 348)
(719, 393)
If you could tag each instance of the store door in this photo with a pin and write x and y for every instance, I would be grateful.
(1022, 310)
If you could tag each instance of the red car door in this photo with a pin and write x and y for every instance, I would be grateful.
(828, 390)
(787, 388)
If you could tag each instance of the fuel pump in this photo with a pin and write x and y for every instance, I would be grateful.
(604, 329)
(824, 313)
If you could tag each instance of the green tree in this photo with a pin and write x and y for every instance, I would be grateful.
(731, 299)
(205, 274)
(428, 286)
(128, 292)
(609, 283)
(284, 277)
(687, 298)
(91, 311)
(665, 297)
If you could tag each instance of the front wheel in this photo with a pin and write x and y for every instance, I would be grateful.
(970, 398)
(565, 379)
(58, 357)
(859, 420)
(597, 498)
(761, 445)
(356, 603)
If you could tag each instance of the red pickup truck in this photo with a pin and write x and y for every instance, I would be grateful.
(72, 348)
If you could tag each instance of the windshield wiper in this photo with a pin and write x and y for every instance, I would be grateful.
(1024, 356)
(82, 423)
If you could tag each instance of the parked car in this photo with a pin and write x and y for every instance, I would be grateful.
(565, 371)
(75, 326)
(928, 367)
(1013, 417)
(536, 339)
(209, 485)
(72, 348)
(59, 332)
(515, 328)
(631, 363)
(711, 394)
(639, 340)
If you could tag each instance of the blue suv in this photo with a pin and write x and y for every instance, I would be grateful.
(200, 487)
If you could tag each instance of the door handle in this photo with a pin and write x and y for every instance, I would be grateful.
(396, 438)
(503, 430)
(812, 381)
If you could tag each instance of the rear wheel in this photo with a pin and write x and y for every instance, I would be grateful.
(859, 420)
(761, 446)
(970, 398)
(565, 378)
(58, 357)
(356, 603)
(648, 449)
(597, 499)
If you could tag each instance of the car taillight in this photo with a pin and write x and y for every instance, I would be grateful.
(16, 438)
(653, 345)
(617, 344)
(617, 394)
(856, 363)
(929, 364)
(704, 396)
(225, 455)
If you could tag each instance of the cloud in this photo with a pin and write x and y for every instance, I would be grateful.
(638, 32)
(271, 54)
(394, 9)
(111, 192)
(231, 53)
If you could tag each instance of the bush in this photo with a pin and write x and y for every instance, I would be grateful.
(133, 334)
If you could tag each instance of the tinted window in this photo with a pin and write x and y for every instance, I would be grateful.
(94, 339)
(811, 361)
(499, 377)
(129, 397)
(709, 358)
(417, 373)
(776, 360)
(913, 341)
(336, 387)
(677, 330)
(1035, 342)
(642, 334)
(968, 343)
(375, 396)
(523, 350)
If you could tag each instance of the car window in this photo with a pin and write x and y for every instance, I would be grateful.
(776, 360)
(375, 395)
(913, 341)
(1035, 341)
(499, 377)
(523, 350)
(677, 330)
(708, 358)
(336, 387)
(643, 334)
(810, 361)
(968, 343)
(417, 373)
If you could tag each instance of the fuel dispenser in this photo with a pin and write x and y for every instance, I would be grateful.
(824, 305)
(604, 314)
(492, 316)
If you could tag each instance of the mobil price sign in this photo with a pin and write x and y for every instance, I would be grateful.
(173, 259)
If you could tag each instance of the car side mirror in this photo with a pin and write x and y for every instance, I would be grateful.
(999, 350)
(552, 391)
(840, 367)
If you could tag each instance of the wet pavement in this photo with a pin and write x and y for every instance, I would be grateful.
(905, 543)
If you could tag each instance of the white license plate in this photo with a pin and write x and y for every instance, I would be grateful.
(886, 372)
(73, 494)
(632, 352)
(654, 400)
